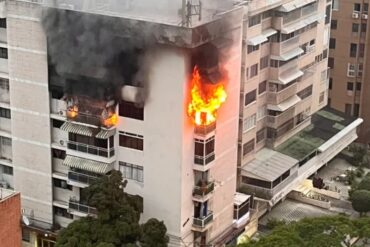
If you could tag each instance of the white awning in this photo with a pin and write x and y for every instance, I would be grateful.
(77, 129)
(288, 55)
(288, 77)
(105, 134)
(300, 24)
(87, 165)
(268, 165)
(259, 39)
(285, 105)
(294, 5)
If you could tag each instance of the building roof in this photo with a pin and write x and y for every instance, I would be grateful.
(268, 165)
(301, 24)
(325, 124)
(288, 55)
(287, 77)
(88, 165)
(77, 129)
(256, 40)
(294, 5)
(240, 198)
(6, 193)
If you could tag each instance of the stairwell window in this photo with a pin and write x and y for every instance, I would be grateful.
(3, 53)
(129, 140)
(131, 171)
(5, 113)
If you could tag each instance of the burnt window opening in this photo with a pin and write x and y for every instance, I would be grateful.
(206, 58)
(131, 110)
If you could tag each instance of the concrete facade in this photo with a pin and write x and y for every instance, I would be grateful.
(10, 216)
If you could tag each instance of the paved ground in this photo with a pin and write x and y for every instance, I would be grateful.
(290, 210)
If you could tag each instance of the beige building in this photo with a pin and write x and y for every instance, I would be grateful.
(348, 55)
(69, 115)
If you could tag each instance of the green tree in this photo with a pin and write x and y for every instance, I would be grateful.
(364, 184)
(117, 220)
(361, 201)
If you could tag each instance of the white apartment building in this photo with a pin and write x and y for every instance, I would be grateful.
(269, 135)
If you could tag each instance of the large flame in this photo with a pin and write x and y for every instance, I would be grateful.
(111, 121)
(72, 111)
(206, 99)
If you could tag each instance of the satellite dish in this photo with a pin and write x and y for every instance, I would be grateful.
(25, 220)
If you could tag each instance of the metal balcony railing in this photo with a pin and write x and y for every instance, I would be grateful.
(84, 148)
(276, 98)
(82, 208)
(204, 190)
(203, 222)
(81, 178)
(204, 160)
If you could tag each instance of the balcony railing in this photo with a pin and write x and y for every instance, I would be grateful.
(282, 47)
(85, 118)
(276, 98)
(81, 178)
(203, 222)
(77, 206)
(276, 121)
(204, 190)
(205, 130)
(84, 148)
(204, 160)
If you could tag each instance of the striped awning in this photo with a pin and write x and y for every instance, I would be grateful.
(105, 134)
(87, 165)
(77, 129)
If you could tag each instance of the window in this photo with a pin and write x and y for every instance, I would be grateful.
(331, 62)
(62, 212)
(204, 151)
(8, 170)
(261, 135)
(274, 63)
(248, 147)
(361, 50)
(130, 110)
(6, 141)
(267, 14)
(335, 5)
(132, 141)
(61, 184)
(350, 86)
(332, 43)
(26, 235)
(3, 53)
(348, 109)
(305, 92)
(351, 70)
(358, 86)
(131, 171)
(356, 110)
(328, 14)
(355, 27)
(363, 27)
(329, 102)
(353, 50)
(249, 123)
(5, 113)
(322, 97)
(357, 7)
(252, 48)
(253, 70)
(58, 154)
(264, 62)
(57, 123)
(360, 67)
(4, 84)
(250, 97)
(254, 20)
(262, 87)
(2, 23)
(330, 83)
(334, 24)
(365, 8)
(261, 112)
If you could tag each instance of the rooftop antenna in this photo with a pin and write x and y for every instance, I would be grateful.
(190, 9)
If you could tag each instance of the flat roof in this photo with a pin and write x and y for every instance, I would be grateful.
(268, 165)
(240, 198)
(6, 193)
(325, 124)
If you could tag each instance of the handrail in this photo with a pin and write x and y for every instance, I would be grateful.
(81, 147)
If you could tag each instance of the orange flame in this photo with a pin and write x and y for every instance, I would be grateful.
(111, 121)
(206, 99)
(72, 111)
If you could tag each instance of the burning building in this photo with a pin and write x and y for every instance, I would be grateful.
(189, 102)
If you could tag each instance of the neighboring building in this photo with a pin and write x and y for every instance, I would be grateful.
(10, 218)
(348, 90)
(66, 121)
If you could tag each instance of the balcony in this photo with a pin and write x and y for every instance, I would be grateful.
(276, 121)
(79, 209)
(84, 148)
(286, 73)
(279, 48)
(204, 221)
(205, 130)
(204, 160)
(204, 191)
(276, 98)
(80, 179)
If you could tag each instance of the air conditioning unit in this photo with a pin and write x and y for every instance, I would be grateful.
(364, 16)
(62, 113)
(355, 15)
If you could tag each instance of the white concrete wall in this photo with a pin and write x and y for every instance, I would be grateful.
(29, 96)
(5, 124)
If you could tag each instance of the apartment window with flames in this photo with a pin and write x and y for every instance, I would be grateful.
(3, 53)
(129, 140)
(204, 151)
(248, 147)
(5, 113)
(131, 171)
(131, 110)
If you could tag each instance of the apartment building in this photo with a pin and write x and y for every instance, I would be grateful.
(348, 60)
(225, 96)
